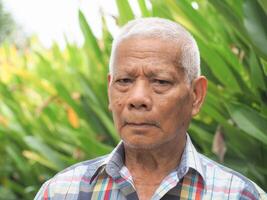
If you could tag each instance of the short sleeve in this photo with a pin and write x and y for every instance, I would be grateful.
(252, 192)
(43, 192)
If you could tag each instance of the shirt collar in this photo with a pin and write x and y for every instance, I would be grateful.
(113, 163)
(190, 159)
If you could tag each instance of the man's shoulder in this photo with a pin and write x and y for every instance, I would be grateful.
(71, 179)
(224, 178)
(89, 166)
(84, 169)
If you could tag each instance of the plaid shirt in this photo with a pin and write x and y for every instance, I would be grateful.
(104, 178)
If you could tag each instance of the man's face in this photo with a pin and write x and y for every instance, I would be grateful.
(149, 96)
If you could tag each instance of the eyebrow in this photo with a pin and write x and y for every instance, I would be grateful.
(158, 69)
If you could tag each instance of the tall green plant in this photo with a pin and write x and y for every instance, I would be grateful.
(53, 109)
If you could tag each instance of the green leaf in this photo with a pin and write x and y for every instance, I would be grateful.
(92, 147)
(248, 120)
(231, 17)
(256, 72)
(99, 119)
(125, 11)
(18, 159)
(217, 65)
(263, 4)
(264, 66)
(160, 9)
(90, 40)
(46, 151)
(32, 156)
(200, 134)
(255, 23)
(199, 23)
(65, 94)
(143, 8)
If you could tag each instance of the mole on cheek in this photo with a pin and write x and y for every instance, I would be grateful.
(118, 103)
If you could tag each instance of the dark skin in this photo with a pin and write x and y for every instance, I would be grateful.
(152, 104)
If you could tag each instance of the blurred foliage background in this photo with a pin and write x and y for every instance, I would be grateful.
(7, 24)
(53, 102)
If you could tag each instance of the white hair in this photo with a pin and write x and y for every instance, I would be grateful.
(155, 27)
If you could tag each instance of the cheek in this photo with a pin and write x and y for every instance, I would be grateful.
(115, 100)
(170, 106)
(116, 106)
(176, 110)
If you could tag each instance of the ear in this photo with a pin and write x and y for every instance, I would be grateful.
(109, 83)
(109, 79)
(199, 92)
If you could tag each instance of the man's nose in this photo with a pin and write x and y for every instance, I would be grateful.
(140, 97)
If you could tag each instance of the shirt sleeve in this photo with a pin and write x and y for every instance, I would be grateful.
(262, 194)
(43, 193)
(253, 192)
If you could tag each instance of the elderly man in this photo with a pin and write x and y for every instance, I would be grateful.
(154, 89)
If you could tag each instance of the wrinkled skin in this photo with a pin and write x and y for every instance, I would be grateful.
(151, 102)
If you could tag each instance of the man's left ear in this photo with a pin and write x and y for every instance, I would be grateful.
(199, 92)
(109, 80)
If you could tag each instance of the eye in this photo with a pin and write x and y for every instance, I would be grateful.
(161, 82)
(124, 81)
(161, 85)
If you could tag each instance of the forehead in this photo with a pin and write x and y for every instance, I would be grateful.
(157, 54)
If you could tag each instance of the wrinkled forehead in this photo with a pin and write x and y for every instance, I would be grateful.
(154, 50)
(150, 55)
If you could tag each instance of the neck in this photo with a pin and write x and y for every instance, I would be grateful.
(159, 161)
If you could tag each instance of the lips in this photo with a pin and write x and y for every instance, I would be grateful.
(140, 124)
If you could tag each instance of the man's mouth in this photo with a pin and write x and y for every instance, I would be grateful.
(141, 124)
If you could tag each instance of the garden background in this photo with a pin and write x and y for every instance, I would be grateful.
(53, 102)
